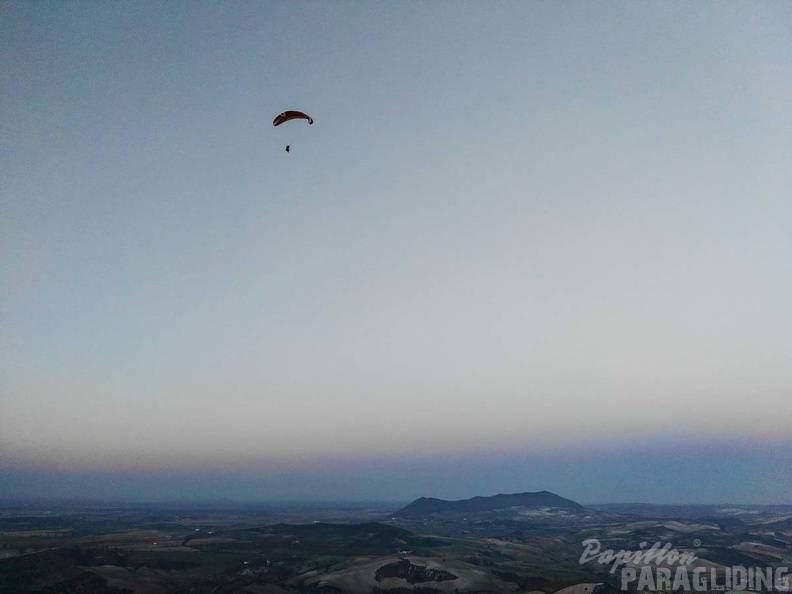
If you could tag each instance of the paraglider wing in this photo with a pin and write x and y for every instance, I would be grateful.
(291, 115)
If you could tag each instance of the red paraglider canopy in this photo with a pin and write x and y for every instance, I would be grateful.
(291, 115)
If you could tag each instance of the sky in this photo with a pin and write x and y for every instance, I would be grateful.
(524, 246)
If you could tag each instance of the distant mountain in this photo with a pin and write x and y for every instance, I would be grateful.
(429, 505)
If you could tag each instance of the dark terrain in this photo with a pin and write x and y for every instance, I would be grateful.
(506, 543)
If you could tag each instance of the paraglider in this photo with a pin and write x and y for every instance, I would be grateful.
(291, 115)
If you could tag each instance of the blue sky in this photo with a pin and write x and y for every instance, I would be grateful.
(520, 238)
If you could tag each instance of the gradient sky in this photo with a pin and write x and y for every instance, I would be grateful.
(524, 246)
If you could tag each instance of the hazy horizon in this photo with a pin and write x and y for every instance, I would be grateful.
(523, 247)
(679, 472)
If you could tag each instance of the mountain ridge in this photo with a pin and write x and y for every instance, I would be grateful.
(431, 505)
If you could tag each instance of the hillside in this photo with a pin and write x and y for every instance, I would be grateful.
(429, 505)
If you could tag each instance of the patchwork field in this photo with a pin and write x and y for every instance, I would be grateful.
(432, 548)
